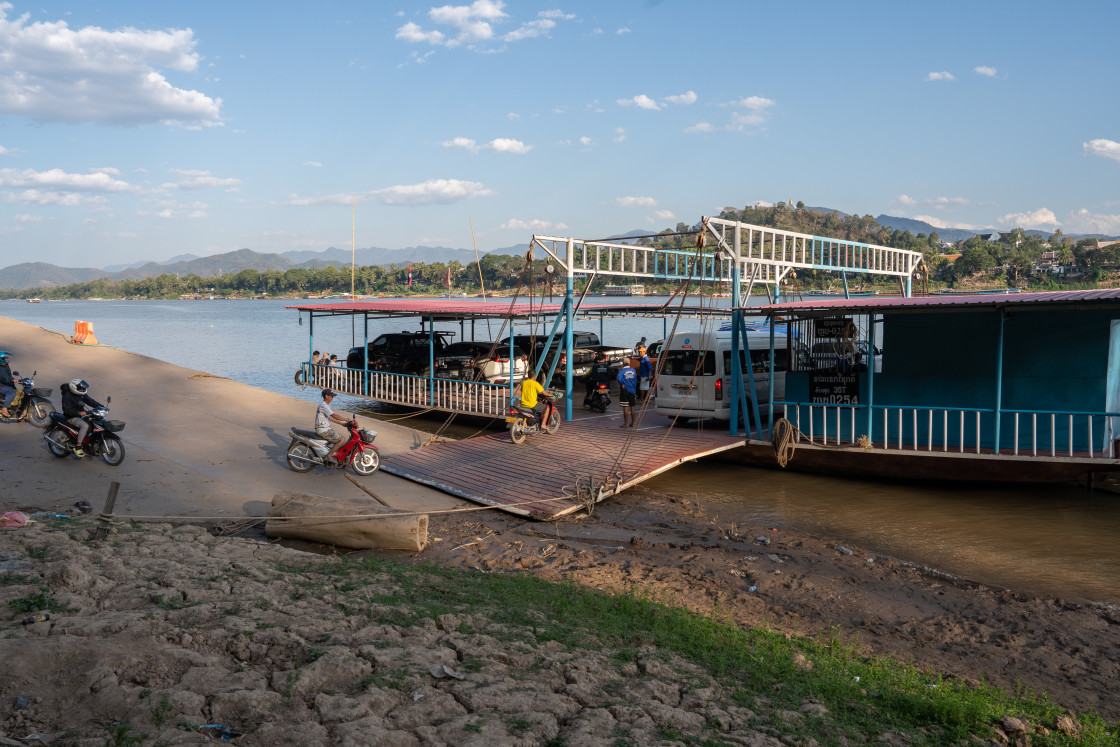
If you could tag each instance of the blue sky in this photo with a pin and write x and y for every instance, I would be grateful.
(139, 130)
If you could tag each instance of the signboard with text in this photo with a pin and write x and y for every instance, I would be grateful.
(833, 387)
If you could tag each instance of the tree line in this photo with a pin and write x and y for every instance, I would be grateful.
(1010, 259)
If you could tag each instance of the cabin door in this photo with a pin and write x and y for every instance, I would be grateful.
(1112, 389)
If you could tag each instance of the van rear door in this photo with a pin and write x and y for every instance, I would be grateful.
(687, 381)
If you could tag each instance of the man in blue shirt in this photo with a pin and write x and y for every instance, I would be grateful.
(627, 394)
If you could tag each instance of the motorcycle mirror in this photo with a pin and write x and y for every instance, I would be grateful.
(108, 400)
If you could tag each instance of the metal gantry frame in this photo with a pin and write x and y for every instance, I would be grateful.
(727, 252)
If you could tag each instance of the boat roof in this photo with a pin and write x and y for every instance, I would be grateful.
(1097, 297)
(451, 309)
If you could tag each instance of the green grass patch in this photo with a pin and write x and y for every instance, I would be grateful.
(37, 602)
(864, 696)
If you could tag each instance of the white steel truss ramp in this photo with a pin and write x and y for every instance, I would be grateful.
(762, 255)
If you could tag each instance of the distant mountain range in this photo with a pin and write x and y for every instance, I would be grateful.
(963, 234)
(41, 275)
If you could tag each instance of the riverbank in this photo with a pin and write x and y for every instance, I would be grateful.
(202, 446)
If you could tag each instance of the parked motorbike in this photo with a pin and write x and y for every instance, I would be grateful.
(101, 440)
(31, 403)
(523, 422)
(308, 448)
(600, 398)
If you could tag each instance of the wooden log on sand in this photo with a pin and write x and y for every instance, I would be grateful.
(362, 524)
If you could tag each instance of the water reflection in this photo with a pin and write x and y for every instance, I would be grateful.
(1040, 539)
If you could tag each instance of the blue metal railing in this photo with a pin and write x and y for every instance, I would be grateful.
(955, 429)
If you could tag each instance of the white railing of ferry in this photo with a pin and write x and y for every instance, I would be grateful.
(965, 421)
(471, 397)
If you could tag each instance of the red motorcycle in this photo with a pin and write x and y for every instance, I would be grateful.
(522, 421)
(308, 448)
(101, 440)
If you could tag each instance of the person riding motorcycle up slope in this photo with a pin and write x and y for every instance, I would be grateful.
(75, 404)
(600, 374)
(324, 416)
(528, 390)
(7, 383)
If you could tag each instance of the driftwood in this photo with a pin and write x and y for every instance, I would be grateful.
(364, 525)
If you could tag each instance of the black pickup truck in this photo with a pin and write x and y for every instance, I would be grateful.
(585, 346)
(399, 352)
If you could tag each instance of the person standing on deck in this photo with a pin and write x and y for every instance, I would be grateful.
(627, 394)
(645, 371)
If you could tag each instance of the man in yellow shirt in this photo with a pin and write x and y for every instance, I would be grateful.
(528, 390)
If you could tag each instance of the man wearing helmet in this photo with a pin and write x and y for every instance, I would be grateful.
(75, 404)
(7, 384)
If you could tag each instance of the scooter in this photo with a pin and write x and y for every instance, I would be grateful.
(522, 422)
(101, 440)
(31, 403)
(308, 448)
(600, 398)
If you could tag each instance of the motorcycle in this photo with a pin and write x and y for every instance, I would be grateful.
(522, 422)
(101, 440)
(31, 403)
(600, 398)
(308, 448)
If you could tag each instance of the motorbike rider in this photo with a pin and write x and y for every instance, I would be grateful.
(7, 383)
(528, 390)
(76, 403)
(324, 416)
(600, 374)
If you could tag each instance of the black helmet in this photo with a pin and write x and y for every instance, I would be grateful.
(79, 386)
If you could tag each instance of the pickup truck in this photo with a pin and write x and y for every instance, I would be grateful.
(585, 345)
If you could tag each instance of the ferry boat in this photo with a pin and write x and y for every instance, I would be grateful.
(624, 290)
(34, 300)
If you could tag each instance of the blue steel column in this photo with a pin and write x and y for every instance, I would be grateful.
(431, 361)
(770, 416)
(871, 378)
(569, 298)
(736, 367)
(365, 354)
(310, 345)
(999, 380)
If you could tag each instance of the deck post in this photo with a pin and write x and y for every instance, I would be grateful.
(770, 415)
(569, 301)
(310, 345)
(431, 360)
(365, 354)
(750, 378)
(871, 377)
(999, 383)
(736, 367)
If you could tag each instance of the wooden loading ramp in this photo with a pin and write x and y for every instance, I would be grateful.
(549, 476)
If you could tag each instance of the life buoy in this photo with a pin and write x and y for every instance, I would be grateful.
(300, 379)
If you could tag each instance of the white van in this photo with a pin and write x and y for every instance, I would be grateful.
(695, 378)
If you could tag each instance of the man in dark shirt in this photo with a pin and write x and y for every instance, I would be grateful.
(76, 403)
(600, 373)
(7, 384)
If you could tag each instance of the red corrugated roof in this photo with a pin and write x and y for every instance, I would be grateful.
(871, 303)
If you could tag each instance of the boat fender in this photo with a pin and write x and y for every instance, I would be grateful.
(300, 379)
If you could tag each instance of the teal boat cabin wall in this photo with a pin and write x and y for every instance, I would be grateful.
(1054, 361)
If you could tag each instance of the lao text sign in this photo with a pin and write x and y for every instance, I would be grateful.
(835, 327)
(832, 387)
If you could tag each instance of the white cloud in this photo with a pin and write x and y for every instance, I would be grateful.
(585, 140)
(313, 164)
(410, 32)
(619, 134)
(755, 116)
(513, 224)
(641, 101)
(530, 30)
(3, 150)
(27, 218)
(433, 191)
(939, 223)
(1103, 148)
(59, 179)
(660, 216)
(469, 24)
(1082, 221)
(1041, 218)
(635, 201)
(336, 199)
(754, 103)
(64, 199)
(513, 115)
(508, 145)
(461, 142)
(943, 75)
(947, 201)
(51, 72)
(700, 127)
(991, 72)
(907, 200)
(623, 30)
(204, 180)
(684, 98)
